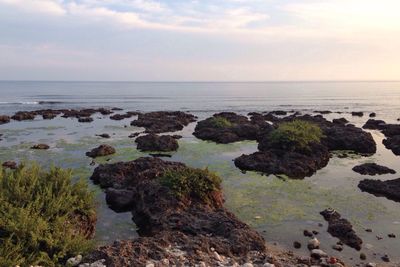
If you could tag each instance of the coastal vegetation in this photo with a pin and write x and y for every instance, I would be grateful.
(189, 182)
(44, 216)
(297, 134)
(220, 122)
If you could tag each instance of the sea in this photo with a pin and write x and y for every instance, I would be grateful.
(279, 208)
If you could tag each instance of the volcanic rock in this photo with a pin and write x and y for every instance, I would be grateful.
(101, 151)
(372, 169)
(152, 142)
(163, 121)
(389, 189)
(341, 228)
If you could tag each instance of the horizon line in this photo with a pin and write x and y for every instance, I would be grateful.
(211, 81)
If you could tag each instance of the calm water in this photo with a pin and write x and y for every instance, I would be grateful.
(279, 209)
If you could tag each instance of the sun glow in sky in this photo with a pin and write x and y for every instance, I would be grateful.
(199, 40)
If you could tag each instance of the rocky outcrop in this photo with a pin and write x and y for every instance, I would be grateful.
(9, 165)
(163, 121)
(4, 119)
(23, 116)
(40, 147)
(373, 124)
(153, 142)
(276, 159)
(294, 164)
(229, 127)
(389, 189)
(372, 169)
(101, 151)
(341, 228)
(164, 219)
(393, 143)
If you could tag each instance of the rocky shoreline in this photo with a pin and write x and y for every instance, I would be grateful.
(195, 229)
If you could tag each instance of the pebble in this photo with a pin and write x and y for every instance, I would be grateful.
(296, 244)
(74, 261)
(247, 265)
(217, 256)
(268, 264)
(363, 257)
(315, 232)
(318, 253)
(392, 235)
(368, 230)
(371, 264)
(313, 243)
(150, 264)
(385, 258)
(337, 247)
(307, 233)
(99, 263)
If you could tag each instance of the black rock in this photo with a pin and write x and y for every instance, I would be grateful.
(389, 189)
(372, 169)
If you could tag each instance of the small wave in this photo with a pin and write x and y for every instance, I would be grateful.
(20, 103)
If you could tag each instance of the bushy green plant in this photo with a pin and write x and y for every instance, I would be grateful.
(39, 213)
(297, 134)
(192, 182)
(220, 122)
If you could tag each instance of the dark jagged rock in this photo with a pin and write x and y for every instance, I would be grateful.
(153, 142)
(389, 189)
(117, 109)
(373, 124)
(104, 135)
(85, 119)
(165, 220)
(40, 147)
(23, 116)
(372, 169)
(49, 116)
(279, 112)
(228, 127)
(341, 228)
(340, 121)
(133, 135)
(372, 115)
(323, 111)
(293, 164)
(393, 143)
(163, 121)
(357, 113)
(10, 165)
(4, 119)
(391, 130)
(118, 117)
(339, 136)
(101, 151)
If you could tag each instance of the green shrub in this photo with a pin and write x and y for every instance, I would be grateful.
(220, 122)
(39, 213)
(196, 183)
(297, 134)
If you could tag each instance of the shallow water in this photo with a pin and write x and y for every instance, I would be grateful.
(280, 209)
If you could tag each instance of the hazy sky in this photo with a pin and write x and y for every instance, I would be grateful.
(200, 40)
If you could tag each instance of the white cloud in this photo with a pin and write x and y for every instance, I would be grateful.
(37, 6)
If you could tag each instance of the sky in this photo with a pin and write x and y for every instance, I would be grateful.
(184, 40)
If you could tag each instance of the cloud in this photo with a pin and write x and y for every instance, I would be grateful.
(37, 6)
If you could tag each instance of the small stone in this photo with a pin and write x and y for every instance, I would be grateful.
(379, 237)
(150, 264)
(74, 261)
(267, 264)
(371, 264)
(315, 232)
(247, 265)
(257, 217)
(217, 256)
(307, 233)
(368, 230)
(392, 235)
(385, 258)
(318, 254)
(40, 147)
(296, 244)
(337, 247)
(165, 262)
(363, 257)
(313, 244)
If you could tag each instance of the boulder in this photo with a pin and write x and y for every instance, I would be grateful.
(101, 151)
(163, 121)
(153, 142)
(389, 189)
(393, 143)
(4, 119)
(341, 228)
(372, 169)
